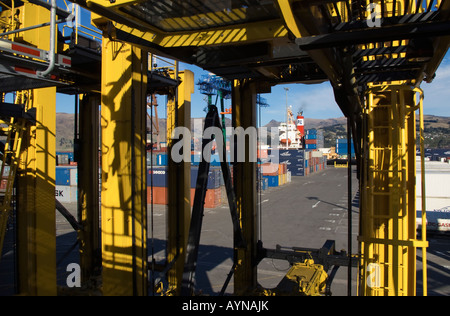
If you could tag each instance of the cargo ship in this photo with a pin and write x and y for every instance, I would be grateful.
(292, 133)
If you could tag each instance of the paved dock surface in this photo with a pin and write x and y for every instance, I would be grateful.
(304, 213)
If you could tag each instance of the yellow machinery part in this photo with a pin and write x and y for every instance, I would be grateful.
(303, 279)
(388, 210)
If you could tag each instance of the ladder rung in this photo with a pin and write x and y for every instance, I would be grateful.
(381, 193)
(381, 217)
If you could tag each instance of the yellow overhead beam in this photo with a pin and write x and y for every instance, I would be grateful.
(291, 21)
(244, 33)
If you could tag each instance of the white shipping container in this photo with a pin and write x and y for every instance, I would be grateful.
(437, 220)
(74, 176)
(317, 154)
(437, 179)
(66, 194)
(437, 184)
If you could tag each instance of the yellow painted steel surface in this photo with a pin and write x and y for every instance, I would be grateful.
(216, 25)
(36, 182)
(306, 279)
(36, 235)
(388, 210)
(226, 35)
(198, 31)
(124, 186)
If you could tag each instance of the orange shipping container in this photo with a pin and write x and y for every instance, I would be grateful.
(160, 197)
(213, 198)
(270, 169)
(282, 169)
(263, 153)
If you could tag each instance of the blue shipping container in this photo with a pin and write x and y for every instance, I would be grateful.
(291, 161)
(300, 173)
(273, 181)
(296, 168)
(213, 178)
(311, 146)
(162, 160)
(342, 147)
(159, 177)
(215, 160)
(311, 136)
(288, 154)
(70, 155)
(263, 184)
(62, 176)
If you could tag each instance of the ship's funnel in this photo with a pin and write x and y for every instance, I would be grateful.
(301, 124)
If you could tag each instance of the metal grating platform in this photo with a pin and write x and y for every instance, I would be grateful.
(171, 16)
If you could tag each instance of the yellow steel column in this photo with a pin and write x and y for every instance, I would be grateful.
(124, 188)
(88, 187)
(36, 178)
(388, 207)
(179, 188)
(244, 115)
(36, 202)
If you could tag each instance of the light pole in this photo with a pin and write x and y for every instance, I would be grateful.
(287, 119)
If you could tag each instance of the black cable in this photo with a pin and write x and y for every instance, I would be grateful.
(151, 199)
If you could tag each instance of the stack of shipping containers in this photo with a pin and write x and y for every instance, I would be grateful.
(275, 175)
(342, 147)
(295, 161)
(299, 162)
(158, 176)
(292, 163)
(314, 139)
(66, 190)
(311, 139)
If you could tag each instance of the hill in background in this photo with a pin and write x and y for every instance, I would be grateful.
(437, 130)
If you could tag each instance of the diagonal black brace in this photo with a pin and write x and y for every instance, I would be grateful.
(212, 120)
(232, 202)
(197, 213)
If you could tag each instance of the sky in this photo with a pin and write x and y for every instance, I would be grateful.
(317, 101)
